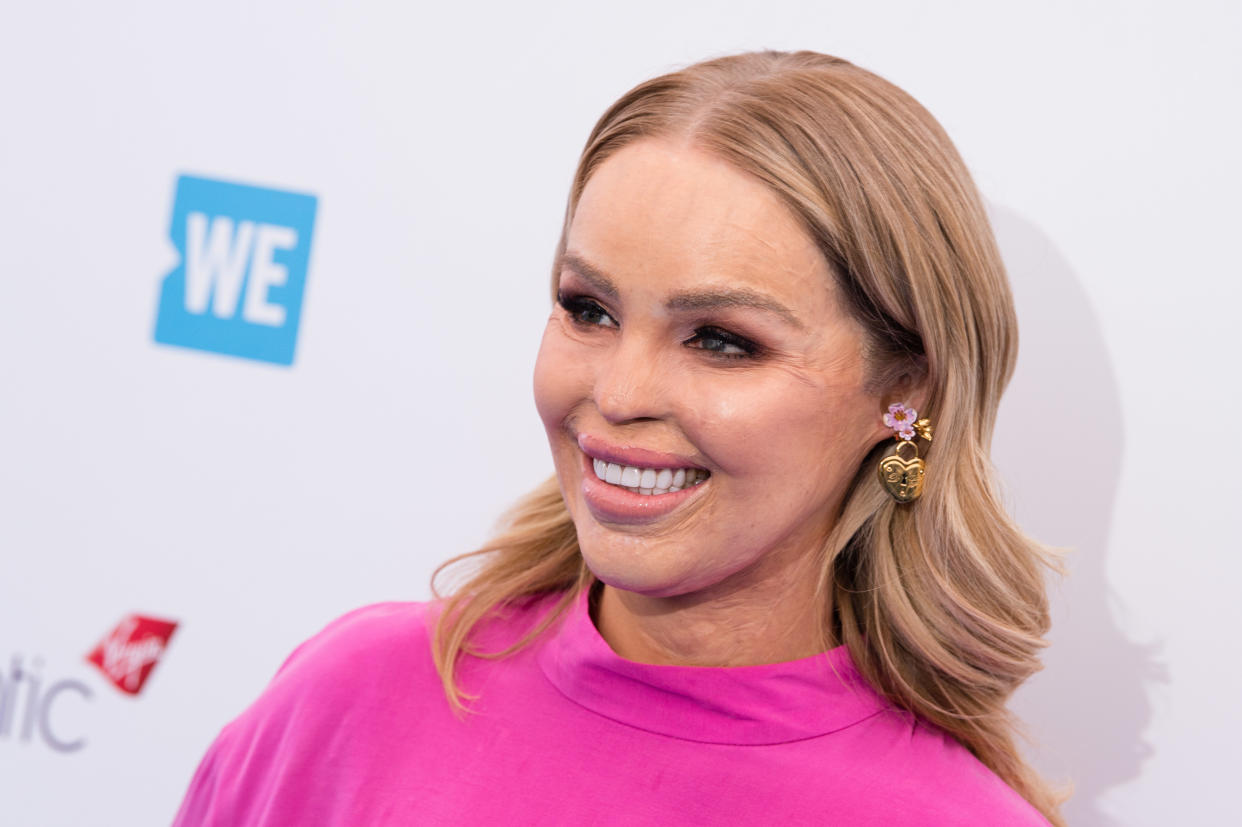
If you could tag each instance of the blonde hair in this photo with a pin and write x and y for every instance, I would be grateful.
(942, 603)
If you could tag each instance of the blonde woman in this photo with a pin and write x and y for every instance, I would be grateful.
(771, 582)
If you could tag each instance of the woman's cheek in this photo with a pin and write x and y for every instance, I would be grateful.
(740, 426)
(559, 380)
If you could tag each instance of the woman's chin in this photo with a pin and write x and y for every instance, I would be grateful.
(650, 577)
(644, 579)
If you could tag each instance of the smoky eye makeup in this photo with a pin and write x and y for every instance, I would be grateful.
(712, 339)
(584, 310)
(722, 343)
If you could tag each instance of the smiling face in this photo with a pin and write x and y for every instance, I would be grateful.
(698, 334)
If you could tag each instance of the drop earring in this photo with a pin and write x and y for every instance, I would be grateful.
(902, 476)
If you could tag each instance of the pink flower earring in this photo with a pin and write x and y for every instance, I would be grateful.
(902, 477)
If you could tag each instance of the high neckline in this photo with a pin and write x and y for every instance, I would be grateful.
(746, 705)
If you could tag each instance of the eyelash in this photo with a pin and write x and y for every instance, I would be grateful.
(579, 306)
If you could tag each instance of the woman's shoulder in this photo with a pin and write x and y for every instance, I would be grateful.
(378, 646)
(380, 635)
(344, 665)
(929, 777)
(357, 689)
(398, 631)
(339, 673)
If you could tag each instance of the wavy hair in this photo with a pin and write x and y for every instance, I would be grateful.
(942, 603)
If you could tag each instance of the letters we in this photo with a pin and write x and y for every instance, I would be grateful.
(217, 252)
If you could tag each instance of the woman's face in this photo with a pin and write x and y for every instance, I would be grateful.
(698, 335)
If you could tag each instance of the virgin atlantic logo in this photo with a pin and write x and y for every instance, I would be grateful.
(128, 653)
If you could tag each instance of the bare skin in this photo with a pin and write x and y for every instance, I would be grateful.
(697, 319)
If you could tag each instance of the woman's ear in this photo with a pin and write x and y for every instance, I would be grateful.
(914, 388)
(911, 387)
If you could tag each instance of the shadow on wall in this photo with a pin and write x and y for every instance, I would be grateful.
(1058, 447)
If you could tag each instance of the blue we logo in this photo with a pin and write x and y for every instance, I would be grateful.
(244, 253)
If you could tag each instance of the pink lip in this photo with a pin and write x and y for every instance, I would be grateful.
(613, 504)
(596, 448)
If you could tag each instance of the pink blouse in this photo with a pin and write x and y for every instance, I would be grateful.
(355, 729)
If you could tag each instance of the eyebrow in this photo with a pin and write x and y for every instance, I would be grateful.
(712, 299)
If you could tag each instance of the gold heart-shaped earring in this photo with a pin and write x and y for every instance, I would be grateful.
(902, 477)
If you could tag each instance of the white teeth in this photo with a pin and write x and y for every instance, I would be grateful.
(648, 481)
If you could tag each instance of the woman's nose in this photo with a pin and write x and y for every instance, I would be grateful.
(630, 384)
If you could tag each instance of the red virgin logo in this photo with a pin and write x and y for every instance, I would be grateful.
(129, 652)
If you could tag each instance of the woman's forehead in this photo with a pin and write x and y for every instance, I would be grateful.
(677, 216)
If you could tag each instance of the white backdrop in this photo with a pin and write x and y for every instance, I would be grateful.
(251, 503)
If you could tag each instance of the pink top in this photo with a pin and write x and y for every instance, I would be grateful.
(355, 729)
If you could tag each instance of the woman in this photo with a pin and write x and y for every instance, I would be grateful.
(762, 588)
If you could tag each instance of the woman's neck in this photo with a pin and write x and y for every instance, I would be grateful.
(730, 624)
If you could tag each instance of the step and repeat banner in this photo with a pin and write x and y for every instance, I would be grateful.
(273, 280)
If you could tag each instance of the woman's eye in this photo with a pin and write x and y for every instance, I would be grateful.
(722, 343)
(586, 311)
